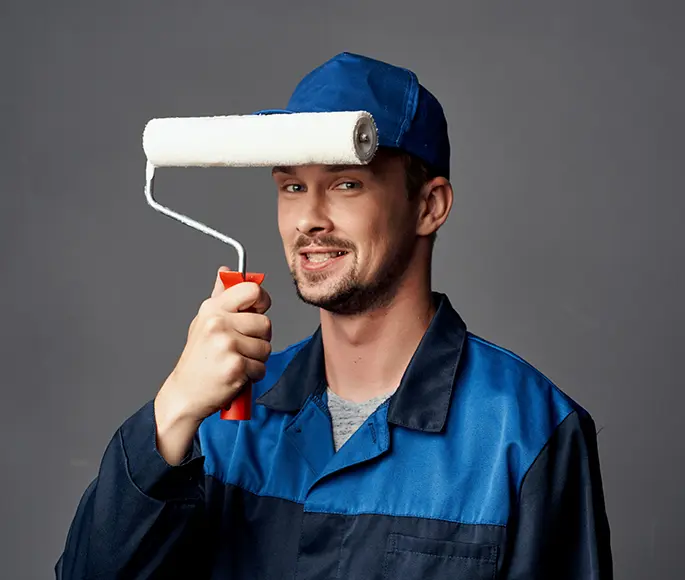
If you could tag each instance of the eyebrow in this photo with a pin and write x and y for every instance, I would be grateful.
(328, 168)
(340, 168)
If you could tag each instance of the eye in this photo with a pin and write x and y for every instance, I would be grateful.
(348, 185)
(293, 188)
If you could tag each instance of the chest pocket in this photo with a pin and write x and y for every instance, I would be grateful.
(411, 558)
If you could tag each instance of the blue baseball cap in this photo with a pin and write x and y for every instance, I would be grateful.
(407, 115)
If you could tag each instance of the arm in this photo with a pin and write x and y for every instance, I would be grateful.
(559, 528)
(141, 517)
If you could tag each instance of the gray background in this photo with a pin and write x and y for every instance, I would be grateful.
(565, 243)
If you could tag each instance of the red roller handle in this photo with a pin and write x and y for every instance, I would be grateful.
(240, 408)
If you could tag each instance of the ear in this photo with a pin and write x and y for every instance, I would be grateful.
(435, 204)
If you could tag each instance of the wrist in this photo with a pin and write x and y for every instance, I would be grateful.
(175, 427)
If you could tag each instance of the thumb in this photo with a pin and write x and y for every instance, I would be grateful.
(218, 284)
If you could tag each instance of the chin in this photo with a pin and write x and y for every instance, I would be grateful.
(316, 293)
(348, 299)
(322, 286)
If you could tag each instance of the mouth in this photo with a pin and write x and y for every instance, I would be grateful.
(321, 260)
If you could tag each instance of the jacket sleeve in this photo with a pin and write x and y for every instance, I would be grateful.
(141, 517)
(559, 528)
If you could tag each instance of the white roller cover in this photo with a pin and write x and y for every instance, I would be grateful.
(262, 140)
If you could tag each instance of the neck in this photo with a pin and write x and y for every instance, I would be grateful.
(367, 354)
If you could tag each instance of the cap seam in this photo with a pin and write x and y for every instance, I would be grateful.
(409, 107)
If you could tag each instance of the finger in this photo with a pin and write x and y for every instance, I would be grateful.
(244, 296)
(255, 370)
(218, 284)
(263, 302)
(252, 325)
(253, 348)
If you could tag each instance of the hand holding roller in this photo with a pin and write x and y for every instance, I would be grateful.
(338, 138)
(240, 408)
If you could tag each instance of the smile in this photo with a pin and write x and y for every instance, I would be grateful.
(320, 260)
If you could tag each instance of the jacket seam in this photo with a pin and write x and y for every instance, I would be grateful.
(398, 515)
(573, 405)
(219, 479)
(542, 450)
(341, 513)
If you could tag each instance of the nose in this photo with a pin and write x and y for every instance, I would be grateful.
(313, 215)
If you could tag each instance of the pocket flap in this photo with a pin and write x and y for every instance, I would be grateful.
(442, 548)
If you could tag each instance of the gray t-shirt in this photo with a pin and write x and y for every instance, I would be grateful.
(348, 416)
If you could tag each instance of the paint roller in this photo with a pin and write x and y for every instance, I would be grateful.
(260, 140)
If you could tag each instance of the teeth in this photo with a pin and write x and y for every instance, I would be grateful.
(323, 257)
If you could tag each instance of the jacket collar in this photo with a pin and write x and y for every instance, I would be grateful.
(422, 399)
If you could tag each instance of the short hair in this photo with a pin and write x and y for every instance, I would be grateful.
(417, 173)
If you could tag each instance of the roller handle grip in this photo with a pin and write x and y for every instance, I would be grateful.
(240, 408)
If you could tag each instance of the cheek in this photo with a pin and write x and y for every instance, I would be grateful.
(285, 222)
(361, 226)
(287, 237)
(281, 226)
(375, 240)
(390, 234)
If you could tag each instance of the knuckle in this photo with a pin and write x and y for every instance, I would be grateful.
(266, 328)
(206, 306)
(267, 351)
(237, 362)
(214, 324)
(237, 368)
(224, 342)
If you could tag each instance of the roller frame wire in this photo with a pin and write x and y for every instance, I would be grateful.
(199, 226)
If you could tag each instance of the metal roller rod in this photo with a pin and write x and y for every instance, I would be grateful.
(149, 196)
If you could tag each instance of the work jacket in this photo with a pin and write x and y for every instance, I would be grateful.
(478, 467)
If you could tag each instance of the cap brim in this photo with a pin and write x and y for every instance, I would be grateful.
(272, 112)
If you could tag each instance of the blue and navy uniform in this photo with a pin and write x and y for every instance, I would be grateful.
(477, 467)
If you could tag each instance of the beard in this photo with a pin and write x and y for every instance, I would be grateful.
(352, 296)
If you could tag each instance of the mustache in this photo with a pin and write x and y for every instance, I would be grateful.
(323, 241)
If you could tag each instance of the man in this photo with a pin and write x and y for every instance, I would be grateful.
(392, 443)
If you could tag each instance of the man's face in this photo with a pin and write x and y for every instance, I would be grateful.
(348, 232)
